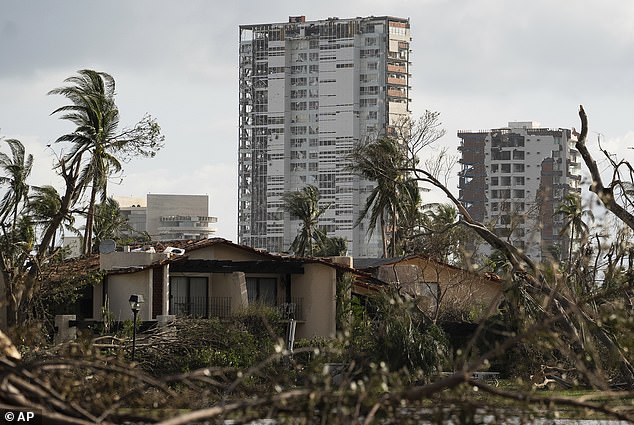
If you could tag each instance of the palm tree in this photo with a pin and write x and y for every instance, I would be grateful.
(333, 246)
(17, 237)
(304, 205)
(441, 237)
(574, 225)
(44, 205)
(96, 116)
(16, 170)
(109, 223)
(395, 197)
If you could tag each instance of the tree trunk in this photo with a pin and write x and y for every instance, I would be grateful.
(87, 243)
(393, 232)
(384, 235)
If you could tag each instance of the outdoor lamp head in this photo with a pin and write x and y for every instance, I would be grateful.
(136, 301)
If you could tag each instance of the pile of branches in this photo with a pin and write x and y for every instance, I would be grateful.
(81, 386)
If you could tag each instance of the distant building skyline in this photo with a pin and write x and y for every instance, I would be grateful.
(170, 216)
(308, 92)
(514, 178)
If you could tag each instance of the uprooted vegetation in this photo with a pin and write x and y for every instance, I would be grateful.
(564, 324)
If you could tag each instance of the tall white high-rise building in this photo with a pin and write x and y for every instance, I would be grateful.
(309, 91)
(515, 178)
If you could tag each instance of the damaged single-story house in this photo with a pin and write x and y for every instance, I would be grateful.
(440, 287)
(217, 278)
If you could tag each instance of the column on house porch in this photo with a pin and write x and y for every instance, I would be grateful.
(228, 294)
(317, 288)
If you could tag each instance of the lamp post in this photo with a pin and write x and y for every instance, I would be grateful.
(135, 304)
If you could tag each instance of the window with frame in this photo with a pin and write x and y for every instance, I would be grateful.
(188, 296)
(262, 290)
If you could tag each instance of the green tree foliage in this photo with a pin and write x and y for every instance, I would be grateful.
(441, 236)
(45, 204)
(395, 196)
(109, 223)
(18, 237)
(16, 170)
(332, 247)
(97, 150)
(394, 203)
(304, 205)
(574, 227)
(403, 338)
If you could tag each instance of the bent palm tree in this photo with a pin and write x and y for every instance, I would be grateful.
(97, 138)
(96, 116)
(304, 205)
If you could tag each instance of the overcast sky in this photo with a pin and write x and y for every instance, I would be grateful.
(480, 63)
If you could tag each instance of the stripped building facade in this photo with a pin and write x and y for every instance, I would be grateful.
(515, 178)
(309, 91)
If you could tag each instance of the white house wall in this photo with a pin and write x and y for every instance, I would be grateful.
(120, 287)
(317, 286)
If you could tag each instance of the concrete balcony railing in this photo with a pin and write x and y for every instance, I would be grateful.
(396, 68)
(396, 93)
(397, 81)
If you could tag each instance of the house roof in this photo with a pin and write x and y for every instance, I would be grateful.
(369, 264)
(90, 263)
(56, 272)
(362, 267)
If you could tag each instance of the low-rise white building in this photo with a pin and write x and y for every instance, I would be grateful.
(171, 217)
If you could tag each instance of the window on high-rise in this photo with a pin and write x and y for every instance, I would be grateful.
(367, 102)
(518, 154)
(500, 155)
